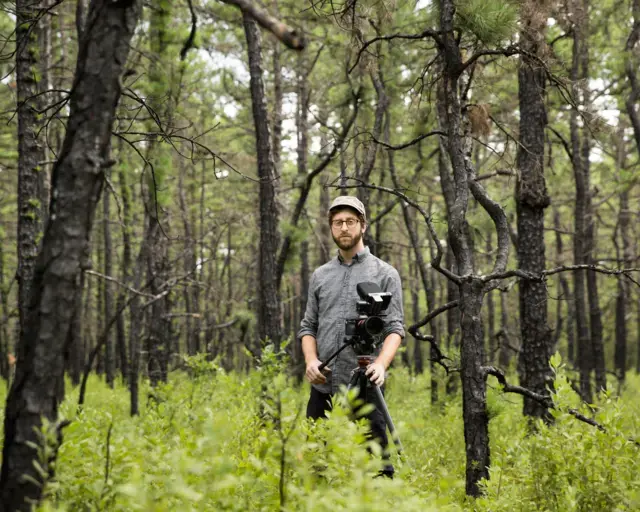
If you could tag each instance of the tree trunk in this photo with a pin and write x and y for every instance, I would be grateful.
(631, 66)
(135, 330)
(491, 311)
(4, 321)
(268, 304)
(471, 287)
(531, 200)
(121, 330)
(30, 150)
(584, 348)
(108, 292)
(38, 387)
(418, 360)
(624, 293)
(563, 286)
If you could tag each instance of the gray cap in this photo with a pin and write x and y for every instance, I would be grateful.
(351, 202)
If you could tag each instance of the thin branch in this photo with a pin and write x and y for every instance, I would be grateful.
(422, 35)
(410, 143)
(119, 283)
(564, 142)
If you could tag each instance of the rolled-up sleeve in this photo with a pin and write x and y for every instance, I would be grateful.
(394, 321)
(309, 324)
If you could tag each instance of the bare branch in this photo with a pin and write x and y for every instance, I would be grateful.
(545, 400)
(564, 268)
(507, 52)
(291, 37)
(410, 143)
(422, 35)
(436, 312)
(509, 388)
(119, 283)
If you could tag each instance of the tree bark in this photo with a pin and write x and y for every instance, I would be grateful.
(531, 200)
(31, 152)
(268, 304)
(77, 179)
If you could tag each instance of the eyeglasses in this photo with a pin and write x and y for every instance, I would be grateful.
(337, 224)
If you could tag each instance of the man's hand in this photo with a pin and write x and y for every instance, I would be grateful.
(314, 375)
(376, 373)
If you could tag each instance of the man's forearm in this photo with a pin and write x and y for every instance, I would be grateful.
(389, 348)
(309, 348)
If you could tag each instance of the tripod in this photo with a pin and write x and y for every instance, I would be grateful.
(361, 380)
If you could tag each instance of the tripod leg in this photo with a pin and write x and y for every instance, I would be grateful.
(382, 405)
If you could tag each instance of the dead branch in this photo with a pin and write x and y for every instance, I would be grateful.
(545, 400)
(291, 37)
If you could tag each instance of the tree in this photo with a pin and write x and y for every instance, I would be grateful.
(531, 199)
(268, 304)
(77, 179)
(31, 154)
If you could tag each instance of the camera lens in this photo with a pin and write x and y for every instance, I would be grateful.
(374, 325)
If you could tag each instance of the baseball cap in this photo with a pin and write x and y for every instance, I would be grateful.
(351, 202)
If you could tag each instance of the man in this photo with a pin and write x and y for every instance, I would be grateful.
(332, 299)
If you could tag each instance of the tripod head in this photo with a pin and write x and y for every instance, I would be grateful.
(362, 332)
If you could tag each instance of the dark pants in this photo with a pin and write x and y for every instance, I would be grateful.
(320, 403)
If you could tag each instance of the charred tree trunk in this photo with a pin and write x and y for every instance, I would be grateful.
(268, 304)
(31, 152)
(531, 200)
(38, 387)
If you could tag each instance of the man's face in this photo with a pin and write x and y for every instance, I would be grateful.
(346, 230)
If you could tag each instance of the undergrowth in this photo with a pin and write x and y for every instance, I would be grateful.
(211, 440)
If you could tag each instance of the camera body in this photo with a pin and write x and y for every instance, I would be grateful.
(361, 332)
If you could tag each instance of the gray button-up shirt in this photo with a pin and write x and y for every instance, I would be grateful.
(332, 299)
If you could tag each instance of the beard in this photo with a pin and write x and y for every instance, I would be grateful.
(348, 242)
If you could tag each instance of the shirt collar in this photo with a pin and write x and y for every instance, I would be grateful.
(358, 257)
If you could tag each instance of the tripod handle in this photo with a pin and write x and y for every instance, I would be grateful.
(332, 357)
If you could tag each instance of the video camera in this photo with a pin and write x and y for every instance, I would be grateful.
(360, 332)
